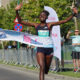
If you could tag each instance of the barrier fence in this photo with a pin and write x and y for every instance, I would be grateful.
(26, 56)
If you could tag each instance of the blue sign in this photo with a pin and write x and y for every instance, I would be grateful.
(18, 27)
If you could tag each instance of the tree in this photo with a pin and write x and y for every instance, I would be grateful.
(9, 16)
(2, 11)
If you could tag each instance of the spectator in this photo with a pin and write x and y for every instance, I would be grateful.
(5, 46)
(9, 47)
(75, 49)
(28, 47)
(14, 45)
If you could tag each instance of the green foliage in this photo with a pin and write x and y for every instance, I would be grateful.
(70, 74)
(2, 11)
(7, 16)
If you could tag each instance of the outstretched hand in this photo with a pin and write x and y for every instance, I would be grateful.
(18, 7)
(69, 32)
(75, 11)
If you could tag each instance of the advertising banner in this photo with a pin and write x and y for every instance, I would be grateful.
(55, 33)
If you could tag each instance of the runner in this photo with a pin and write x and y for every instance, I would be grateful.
(44, 56)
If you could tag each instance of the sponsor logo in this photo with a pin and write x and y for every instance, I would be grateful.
(27, 39)
(45, 27)
(52, 18)
(43, 33)
(54, 35)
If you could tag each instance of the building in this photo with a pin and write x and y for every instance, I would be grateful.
(0, 3)
(4, 3)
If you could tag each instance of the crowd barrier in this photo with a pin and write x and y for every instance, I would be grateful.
(26, 56)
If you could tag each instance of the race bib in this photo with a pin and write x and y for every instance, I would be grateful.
(43, 33)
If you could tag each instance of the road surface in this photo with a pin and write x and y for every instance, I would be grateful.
(17, 73)
(9, 73)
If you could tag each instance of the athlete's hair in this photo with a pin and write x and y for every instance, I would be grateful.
(46, 12)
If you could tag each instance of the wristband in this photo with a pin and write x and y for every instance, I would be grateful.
(74, 14)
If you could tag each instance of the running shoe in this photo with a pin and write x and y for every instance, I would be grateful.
(75, 70)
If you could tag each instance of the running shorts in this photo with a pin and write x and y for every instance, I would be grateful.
(46, 51)
(75, 55)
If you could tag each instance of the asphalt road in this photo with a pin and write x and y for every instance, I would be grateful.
(9, 73)
(17, 73)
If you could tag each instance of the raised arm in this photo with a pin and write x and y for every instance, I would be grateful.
(18, 7)
(68, 35)
(66, 20)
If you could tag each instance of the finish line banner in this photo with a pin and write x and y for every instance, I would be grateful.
(11, 35)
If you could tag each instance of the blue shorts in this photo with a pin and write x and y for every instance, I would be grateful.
(46, 51)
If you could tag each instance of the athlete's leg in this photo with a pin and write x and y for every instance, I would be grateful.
(48, 63)
(41, 62)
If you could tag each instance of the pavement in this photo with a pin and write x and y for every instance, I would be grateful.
(36, 72)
